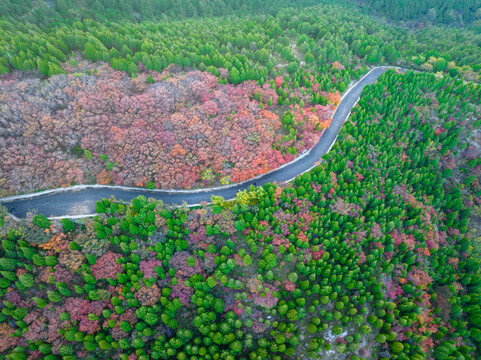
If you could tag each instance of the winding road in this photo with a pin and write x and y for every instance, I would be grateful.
(79, 201)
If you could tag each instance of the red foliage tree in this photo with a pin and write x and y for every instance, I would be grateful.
(106, 266)
(148, 267)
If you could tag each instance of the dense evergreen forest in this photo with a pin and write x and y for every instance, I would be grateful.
(372, 254)
(448, 12)
(46, 12)
(410, 12)
(321, 33)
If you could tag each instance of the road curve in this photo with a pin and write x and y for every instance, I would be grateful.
(80, 200)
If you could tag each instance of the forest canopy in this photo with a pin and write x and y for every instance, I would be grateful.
(369, 255)
(46, 12)
(448, 12)
(374, 253)
(409, 12)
